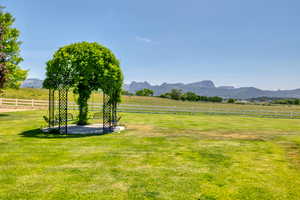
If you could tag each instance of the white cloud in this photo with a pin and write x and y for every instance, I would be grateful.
(143, 39)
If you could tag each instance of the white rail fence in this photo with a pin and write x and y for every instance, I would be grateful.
(33, 103)
(151, 109)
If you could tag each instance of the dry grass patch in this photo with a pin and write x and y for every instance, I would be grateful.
(141, 130)
(292, 152)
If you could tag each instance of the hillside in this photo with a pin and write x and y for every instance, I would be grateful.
(203, 88)
(42, 94)
(32, 83)
(208, 88)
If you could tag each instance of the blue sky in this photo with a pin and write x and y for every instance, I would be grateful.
(232, 42)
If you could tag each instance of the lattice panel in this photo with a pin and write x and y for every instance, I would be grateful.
(63, 110)
(107, 114)
(51, 108)
(114, 115)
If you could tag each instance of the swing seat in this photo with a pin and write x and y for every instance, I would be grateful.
(69, 117)
(56, 119)
(117, 121)
(47, 120)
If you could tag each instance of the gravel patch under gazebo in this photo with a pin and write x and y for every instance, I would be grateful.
(91, 129)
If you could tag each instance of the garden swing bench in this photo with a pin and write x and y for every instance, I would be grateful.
(84, 67)
(59, 117)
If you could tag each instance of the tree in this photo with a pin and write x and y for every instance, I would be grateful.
(215, 99)
(85, 67)
(126, 93)
(190, 96)
(231, 100)
(202, 98)
(166, 95)
(144, 92)
(176, 94)
(11, 75)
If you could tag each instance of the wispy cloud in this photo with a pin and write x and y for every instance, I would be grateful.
(143, 39)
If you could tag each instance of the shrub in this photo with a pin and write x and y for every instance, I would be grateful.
(144, 92)
(231, 101)
(126, 93)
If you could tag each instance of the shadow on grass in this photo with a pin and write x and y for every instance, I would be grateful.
(37, 133)
(3, 115)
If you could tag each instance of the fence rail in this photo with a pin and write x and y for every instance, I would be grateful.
(153, 109)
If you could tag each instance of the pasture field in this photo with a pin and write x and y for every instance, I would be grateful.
(42, 94)
(201, 157)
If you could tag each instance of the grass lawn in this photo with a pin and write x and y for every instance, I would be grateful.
(158, 157)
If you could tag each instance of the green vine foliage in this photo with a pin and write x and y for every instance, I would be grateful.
(85, 67)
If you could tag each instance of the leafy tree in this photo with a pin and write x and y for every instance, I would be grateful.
(176, 94)
(85, 67)
(203, 98)
(126, 93)
(287, 101)
(11, 75)
(190, 96)
(144, 92)
(183, 97)
(166, 95)
(231, 100)
(215, 99)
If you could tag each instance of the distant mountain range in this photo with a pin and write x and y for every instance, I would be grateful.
(208, 88)
(32, 83)
(203, 88)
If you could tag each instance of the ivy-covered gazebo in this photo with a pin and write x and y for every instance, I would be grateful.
(82, 68)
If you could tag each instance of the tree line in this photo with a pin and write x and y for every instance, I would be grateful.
(176, 94)
(189, 96)
(287, 101)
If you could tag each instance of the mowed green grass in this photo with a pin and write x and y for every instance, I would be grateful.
(42, 94)
(158, 157)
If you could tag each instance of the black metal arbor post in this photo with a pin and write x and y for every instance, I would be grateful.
(58, 101)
